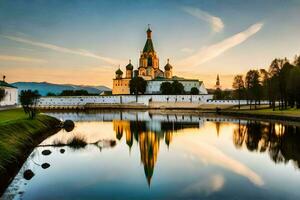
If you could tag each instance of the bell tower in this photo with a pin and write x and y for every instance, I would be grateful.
(148, 56)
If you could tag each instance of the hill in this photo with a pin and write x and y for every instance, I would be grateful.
(44, 88)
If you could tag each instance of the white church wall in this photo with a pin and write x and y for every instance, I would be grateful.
(11, 97)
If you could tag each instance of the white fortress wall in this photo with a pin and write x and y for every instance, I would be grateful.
(131, 99)
(120, 99)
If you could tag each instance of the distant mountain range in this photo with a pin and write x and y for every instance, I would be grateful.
(44, 88)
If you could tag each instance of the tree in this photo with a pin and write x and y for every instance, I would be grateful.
(28, 100)
(297, 61)
(194, 91)
(137, 85)
(239, 86)
(50, 94)
(166, 88)
(253, 86)
(218, 94)
(177, 88)
(293, 87)
(284, 76)
(265, 83)
(2, 94)
(74, 93)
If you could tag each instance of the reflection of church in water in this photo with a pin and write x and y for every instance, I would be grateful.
(280, 141)
(147, 139)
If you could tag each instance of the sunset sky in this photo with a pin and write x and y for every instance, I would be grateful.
(83, 42)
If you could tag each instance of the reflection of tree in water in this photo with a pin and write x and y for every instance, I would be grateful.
(148, 140)
(280, 141)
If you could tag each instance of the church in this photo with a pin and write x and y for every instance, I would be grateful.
(149, 70)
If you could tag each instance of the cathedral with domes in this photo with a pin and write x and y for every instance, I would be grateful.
(149, 70)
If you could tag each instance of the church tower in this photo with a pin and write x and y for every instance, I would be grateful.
(168, 70)
(218, 84)
(129, 70)
(149, 62)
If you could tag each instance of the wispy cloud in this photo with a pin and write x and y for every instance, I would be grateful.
(215, 22)
(187, 50)
(21, 59)
(80, 52)
(213, 155)
(208, 185)
(212, 51)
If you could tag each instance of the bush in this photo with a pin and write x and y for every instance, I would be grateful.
(194, 91)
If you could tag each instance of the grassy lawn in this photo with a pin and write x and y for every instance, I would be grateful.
(19, 134)
(13, 114)
(289, 112)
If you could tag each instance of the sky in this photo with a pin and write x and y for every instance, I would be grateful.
(84, 42)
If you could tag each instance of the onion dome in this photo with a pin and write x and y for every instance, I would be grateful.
(168, 66)
(129, 66)
(119, 72)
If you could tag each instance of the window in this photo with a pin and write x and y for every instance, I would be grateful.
(149, 60)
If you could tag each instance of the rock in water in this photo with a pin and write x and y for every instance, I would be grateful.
(28, 174)
(62, 151)
(69, 125)
(45, 165)
(46, 152)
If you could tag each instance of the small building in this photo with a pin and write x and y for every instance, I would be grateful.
(149, 70)
(10, 92)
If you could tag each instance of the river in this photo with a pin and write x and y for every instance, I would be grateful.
(142, 155)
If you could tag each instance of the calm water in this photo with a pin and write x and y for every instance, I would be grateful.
(164, 156)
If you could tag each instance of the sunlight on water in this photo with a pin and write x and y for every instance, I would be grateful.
(136, 155)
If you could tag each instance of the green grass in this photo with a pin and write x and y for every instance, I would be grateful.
(291, 112)
(18, 134)
(13, 114)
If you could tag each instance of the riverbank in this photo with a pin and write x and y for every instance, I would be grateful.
(281, 115)
(18, 137)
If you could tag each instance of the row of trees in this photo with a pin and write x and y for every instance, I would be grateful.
(71, 93)
(280, 83)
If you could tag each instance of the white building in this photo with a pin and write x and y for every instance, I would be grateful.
(11, 94)
(153, 86)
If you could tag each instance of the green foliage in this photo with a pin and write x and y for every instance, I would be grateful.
(253, 86)
(280, 84)
(174, 88)
(137, 85)
(2, 94)
(293, 87)
(50, 94)
(239, 87)
(28, 100)
(194, 91)
(166, 88)
(177, 88)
